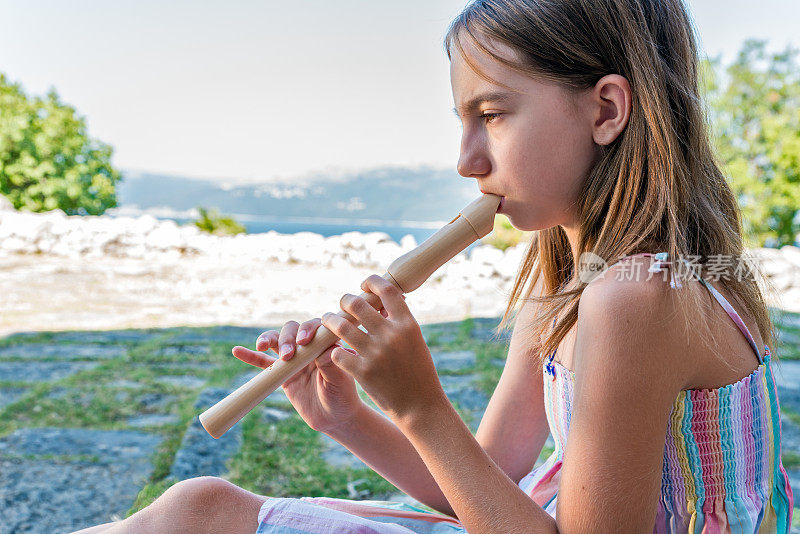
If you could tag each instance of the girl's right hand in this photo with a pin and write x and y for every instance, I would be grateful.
(324, 395)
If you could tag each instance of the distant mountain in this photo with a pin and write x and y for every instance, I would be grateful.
(382, 194)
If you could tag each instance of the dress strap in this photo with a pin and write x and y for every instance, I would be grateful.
(659, 265)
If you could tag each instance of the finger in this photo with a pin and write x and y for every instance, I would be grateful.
(347, 361)
(390, 295)
(362, 311)
(345, 330)
(286, 339)
(259, 359)
(384, 313)
(329, 370)
(307, 331)
(268, 340)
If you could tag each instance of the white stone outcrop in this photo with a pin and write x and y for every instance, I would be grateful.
(146, 237)
(244, 266)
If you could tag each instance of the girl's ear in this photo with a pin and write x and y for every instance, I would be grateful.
(611, 107)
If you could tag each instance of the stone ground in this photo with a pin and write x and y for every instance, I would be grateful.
(95, 424)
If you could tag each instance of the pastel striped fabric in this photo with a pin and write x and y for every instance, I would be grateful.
(722, 469)
(323, 515)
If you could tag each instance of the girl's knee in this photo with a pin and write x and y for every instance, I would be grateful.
(201, 492)
(207, 504)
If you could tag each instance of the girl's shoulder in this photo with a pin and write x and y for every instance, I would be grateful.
(630, 302)
(632, 320)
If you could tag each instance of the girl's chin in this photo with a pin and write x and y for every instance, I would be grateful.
(523, 225)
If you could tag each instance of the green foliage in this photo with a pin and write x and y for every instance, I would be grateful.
(214, 223)
(755, 118)
(47, 159)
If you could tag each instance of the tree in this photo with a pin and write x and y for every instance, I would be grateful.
(755, 118)
(47, 159)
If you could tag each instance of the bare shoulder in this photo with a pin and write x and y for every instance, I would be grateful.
(628, 283)
(636, 319)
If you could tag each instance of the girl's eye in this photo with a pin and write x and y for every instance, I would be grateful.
(489, 117)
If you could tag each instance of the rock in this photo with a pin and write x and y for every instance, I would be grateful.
(76, 397)
(175, 350)
(274, 415)
(125, 384)
(460, 391)
(41, 371)
(52, 351)
(176, 366)
(10, 395)
(187, 381)
(789, 320)
(107, 445)
(407, 243)
(794, 482)
(94, 476)
(788, 338)
(787, 374)
(276, 396)
(146, 420)
(791, 254)
(484, 330)
(486, 254)
(338, 456)
(5, 204)
(156, 401)
(200, 454)
(512, 258)
(164, 236)
(453, 361)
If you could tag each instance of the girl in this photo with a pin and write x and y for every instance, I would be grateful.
(585, 117)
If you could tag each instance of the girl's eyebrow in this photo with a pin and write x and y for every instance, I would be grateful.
(475, 102)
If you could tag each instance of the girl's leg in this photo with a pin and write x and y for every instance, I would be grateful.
(197, 505)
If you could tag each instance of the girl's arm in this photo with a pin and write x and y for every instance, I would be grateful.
(512, 431)
(514, 427)
(383, 447)
(611, 474)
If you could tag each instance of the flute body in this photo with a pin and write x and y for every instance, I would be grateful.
(407, 272)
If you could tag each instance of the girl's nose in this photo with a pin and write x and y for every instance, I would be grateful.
(473, 160)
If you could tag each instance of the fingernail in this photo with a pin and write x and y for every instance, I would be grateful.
(301, 335)
(285, 349)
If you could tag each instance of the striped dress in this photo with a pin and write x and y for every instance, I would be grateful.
(722, 469)
(721, 473)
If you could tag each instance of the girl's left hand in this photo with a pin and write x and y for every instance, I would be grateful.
(393, 363)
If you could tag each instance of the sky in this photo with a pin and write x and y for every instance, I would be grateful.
(247, 90)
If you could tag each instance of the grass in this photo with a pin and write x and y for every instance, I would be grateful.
(282, 459)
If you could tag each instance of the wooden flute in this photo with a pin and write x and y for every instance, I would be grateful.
(407, 272)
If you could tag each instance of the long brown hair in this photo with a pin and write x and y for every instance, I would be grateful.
(657, 187)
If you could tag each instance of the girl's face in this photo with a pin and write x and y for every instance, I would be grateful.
(529, 142)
